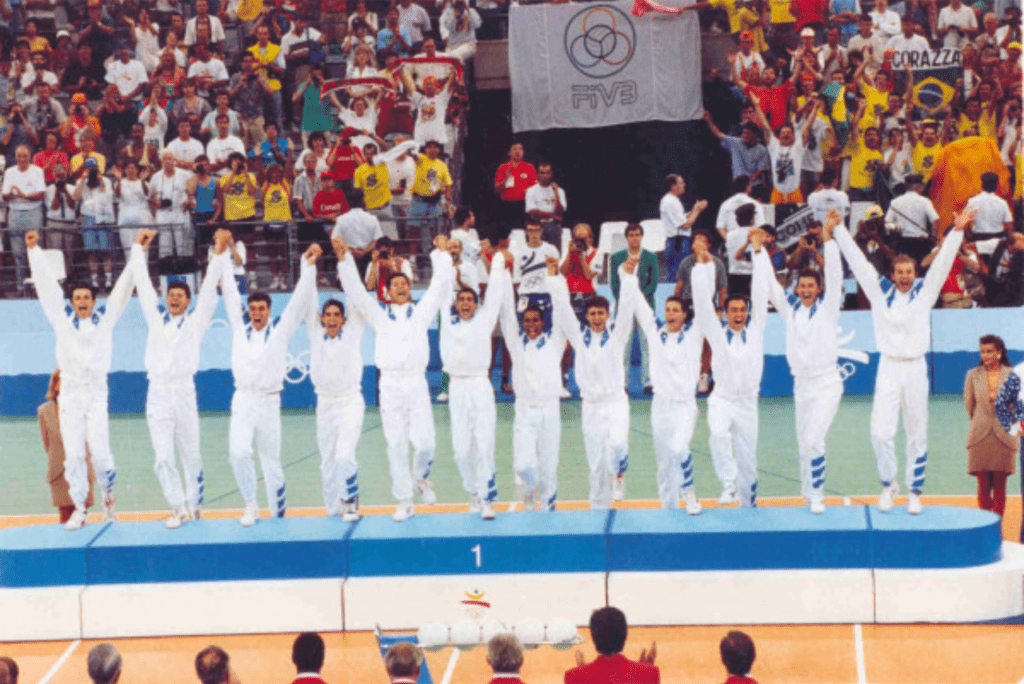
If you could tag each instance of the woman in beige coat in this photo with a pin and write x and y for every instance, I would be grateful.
(49, 427)
(991, 452)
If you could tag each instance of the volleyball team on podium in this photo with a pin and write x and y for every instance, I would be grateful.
(900, 308)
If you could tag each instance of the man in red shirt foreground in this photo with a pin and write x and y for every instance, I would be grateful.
(608, 630)
(308, 657)
(738, 655)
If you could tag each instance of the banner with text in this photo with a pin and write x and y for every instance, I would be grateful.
(593, 65)
(935, 74)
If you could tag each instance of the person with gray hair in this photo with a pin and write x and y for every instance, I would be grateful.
(505, 656)
(104, 664)
(8, 670)
(403, 661)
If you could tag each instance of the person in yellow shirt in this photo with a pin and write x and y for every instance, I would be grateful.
(865, 157)
(981, 118)
(924, 149)
(277, 213)
(269, 65)
(876, 95)
(752, 20)
(373, 180)
(88, 152)
(431, 190)
(237, 191)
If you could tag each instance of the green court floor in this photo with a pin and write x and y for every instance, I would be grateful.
(851, 466)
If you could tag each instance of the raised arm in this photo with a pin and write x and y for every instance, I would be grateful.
(356, 295)
(624, 308)
(51, 297)
(862, 269)
(148, 299)
(563, 318)
(440, 287)
(296, 309)
(216, 271)
(776, 295)
(760, 287)
(939, 269)
(641, 309)
(702, 279)
(833, 263)
(507, 317)
(232, 299)
(495, 293)
(118, 298)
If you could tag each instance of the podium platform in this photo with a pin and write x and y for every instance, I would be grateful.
(852, 564)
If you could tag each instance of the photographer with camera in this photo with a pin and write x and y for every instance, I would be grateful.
(459, 24)
(95, 197)
(168, 197)
(15, 133)
(957, 25)
(316, 114)
(384, 261)
(43, 112)
(60, 211)
(248, 90)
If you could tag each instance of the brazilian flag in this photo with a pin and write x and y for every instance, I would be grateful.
(931, 93)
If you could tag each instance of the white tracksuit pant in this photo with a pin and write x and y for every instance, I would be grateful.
(733, 442)
(606, 440)
(672, 423)
(173, 419)
(901, 385)
(339, 424)
(536, 435)
(473, 418)
(84, 421)
(817, 401)
(406, 417)
(259, 416)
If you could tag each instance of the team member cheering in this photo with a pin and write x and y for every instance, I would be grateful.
(675, 348)
(599, 346)
(812, 350)
(259, 346)
(172, 359)
(336, 369)
(85, 341)
(737, 361)
(536, 374)
(466, 331)
(401, 354)
(901, 314)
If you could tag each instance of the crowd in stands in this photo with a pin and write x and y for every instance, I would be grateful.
(403, 661)
(185, 114)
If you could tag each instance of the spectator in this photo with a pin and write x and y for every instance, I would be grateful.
(104, 664)
(828, 197)
(608, 630)
(330, 202)
(236, 191)
(202, 193)
(273, 149)
(732, 233)
(98, 32)
(647, 273)
(505, 656)
(60, 213)
(908, 40)
(50, 156)
(318, 150)
(116, 120)
(885, 21)
(277, 214)
(305, 188)
(819, 133)
(865, 158)
(739, 250)
(870, 43)
(172, 44)
(993, 213)
(36, 42)
(62, 55)
(925, 149)
(913, 215)
(39, 75)
(190, 107)
(94, 195)
(316, 114)
(203, 17)
(145, 155)
(581, 267)
(991, 452)
(415, 21)
(223, 147)
(465, 232)
(168, 197)
(145, 36)
(965, 278)
(738, 654)
(896, 157)
(809, 254)
(270, 65)
(185, 148)
(308, 657)
(487, 252)
(371, 178)
(384, 262)
(344, 159)
(431, 187)
(248, 90)
(678, 224)
(786, 151)
(23, 189)
(460, 23)
(393, 37)
(361, 116)
(208, 71)
(133, 212)
(402, 662)
(129, 75)
(511, 182)
(299, 46)
(9, 668)
(361, 231)
(1005, 283)
(358, 42)
(749, 157)
(86, 75)
(212, 663)
(431, 106)
(747, 58)
(208, 127)
(683, 291)
(401, 175)
(363, 15)
(16, 133)
(466, 277)
(43, 112)
(545, 203)
(168, 79)
(957, 25)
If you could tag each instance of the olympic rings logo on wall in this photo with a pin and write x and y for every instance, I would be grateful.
(600, 41)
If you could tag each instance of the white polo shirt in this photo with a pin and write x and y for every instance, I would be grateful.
(993, 212)
(912, 213)
(673, 216)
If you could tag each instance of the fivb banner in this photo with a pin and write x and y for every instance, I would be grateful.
(935, 73)
(595, 64)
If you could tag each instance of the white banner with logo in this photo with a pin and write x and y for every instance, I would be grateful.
(595, 64)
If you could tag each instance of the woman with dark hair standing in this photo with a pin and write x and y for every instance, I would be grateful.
(990, 450)
(49, 428)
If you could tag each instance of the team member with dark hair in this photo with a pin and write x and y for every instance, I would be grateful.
(104, 664)
(812, 350)
(991, 451)
(738, 362)
(738, 654)
(172, 360)
(259, 346)
(308, 657)
(608, 629)
(213, 666)
(8, 670)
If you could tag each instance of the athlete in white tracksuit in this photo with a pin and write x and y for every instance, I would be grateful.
(812, 351)
(737, 362)
(258, 363)
(901, 314)
(605, 403)
(401, 354)
(172, 360)
(336, 369)
(466, 353)
(675, 351)
(537, 376)
(85, 340)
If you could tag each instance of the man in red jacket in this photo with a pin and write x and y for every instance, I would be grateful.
(608, 630)
(738, 655)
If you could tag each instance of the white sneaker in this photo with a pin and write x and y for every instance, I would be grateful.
(475, 503)
(693, 506)
(565, 393)
(250, 516)
(404, 511)
(426, 492)
(194, 512)
(178, 516)
(486, 511)
(619, 488)
(350, 511)
(817, 505)
(442, 398)
(728, 495)
(76, 521)
(703, 384)
(914, 504)
(885, 498)
(108, 507)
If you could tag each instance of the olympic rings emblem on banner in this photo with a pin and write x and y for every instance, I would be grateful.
(600, 41)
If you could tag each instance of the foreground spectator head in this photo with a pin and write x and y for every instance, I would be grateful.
(505, 654)
(608, 630)
(308, 651)
(9, 668)
(403, 660)
(212, 664)
(738, 653)
(104, 664)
